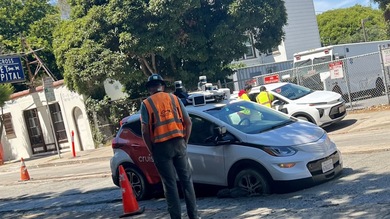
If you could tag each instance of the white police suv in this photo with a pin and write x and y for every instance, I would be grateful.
(235, 143)
(322, 108)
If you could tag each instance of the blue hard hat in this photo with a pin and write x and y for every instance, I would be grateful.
(155, 79)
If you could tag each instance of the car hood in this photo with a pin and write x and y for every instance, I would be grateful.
(297, 133)
(319, 97)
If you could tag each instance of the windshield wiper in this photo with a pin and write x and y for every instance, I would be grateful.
(278, 125)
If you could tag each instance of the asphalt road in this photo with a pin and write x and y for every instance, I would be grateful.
(362, 132)
(86, 190)
(360, 192)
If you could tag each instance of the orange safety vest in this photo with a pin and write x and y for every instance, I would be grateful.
(165, 117)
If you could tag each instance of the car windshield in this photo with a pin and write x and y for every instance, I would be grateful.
(292, 91)
(250, 117)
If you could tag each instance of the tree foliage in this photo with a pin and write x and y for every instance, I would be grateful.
(384, 5)
(5, 92)
(345, 25)
(127, 40)
(34, 20)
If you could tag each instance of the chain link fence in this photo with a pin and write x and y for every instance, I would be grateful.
(361, 80)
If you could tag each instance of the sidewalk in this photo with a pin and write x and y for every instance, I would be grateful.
(96, 155)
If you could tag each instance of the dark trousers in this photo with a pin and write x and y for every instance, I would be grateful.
(170, 157)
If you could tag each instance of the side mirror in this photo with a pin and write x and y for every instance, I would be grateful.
(277, 103)
(220, 131)
(220, 136)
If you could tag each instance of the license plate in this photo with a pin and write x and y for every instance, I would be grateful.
(327, 165)
(341, 109)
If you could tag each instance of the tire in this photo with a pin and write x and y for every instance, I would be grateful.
(138, 183)
(253, 182)
(379, 87)
(337, 89)
(304, 118)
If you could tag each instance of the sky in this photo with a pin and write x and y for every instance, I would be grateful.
(325, 5)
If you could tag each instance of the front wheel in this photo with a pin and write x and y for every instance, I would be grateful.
(253, 182)
(138, 183)
(304, 118)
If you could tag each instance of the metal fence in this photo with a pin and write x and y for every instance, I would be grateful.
(361, 80)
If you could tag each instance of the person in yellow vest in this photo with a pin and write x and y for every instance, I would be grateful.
(166, 128)
(264, 97)
(243, 94)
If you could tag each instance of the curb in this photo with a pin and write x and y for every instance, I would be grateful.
(62, 178)
(70, 162)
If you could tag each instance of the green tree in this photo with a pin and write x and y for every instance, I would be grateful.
(5, 92)
(35, 21)
(127, 40)
(384, 5)
(345, 25)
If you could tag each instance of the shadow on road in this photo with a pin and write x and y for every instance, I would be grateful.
(340, 125)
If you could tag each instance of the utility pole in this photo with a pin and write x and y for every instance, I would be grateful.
(364, 29)
(40, 65)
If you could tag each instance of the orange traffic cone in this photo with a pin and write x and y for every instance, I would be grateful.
(130, 204)
(23, 171)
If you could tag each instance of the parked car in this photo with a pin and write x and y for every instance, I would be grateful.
(322, 108)
(259, 150)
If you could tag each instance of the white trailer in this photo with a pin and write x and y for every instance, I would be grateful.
(359, 75)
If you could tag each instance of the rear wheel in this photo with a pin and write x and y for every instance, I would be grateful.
(253, 182)
(379, 87)
(337, 89)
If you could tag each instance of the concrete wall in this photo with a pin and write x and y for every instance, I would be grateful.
(18, 146)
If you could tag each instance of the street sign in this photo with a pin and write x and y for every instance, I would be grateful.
(386, 56)
(48, 88)
(271, 79)
(336, 70)
(11, 70)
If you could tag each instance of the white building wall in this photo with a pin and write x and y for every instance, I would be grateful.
(19, 145)
(301, 33)
(302, 29)
(114, 89)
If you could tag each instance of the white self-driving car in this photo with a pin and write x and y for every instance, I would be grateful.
(235, 143)
(322, 108)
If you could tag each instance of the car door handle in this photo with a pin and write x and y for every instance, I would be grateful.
(135, 145)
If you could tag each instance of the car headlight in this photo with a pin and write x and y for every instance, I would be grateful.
(279, 151)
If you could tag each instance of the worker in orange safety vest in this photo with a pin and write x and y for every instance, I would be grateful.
(166, 128)
(264, 97)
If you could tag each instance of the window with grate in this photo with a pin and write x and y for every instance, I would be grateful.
(8, 126)
(250, 53)
(58, 122)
